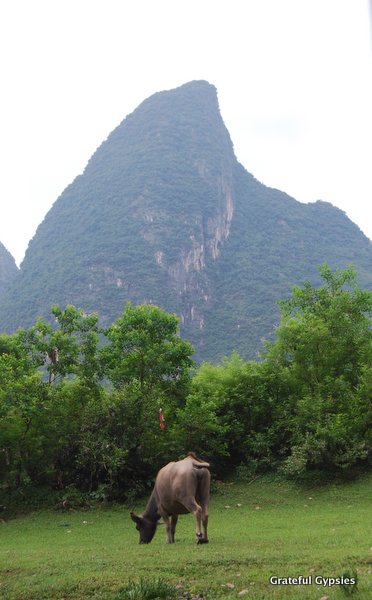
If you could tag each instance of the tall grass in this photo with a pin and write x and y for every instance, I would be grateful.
(147, 589)
(269, 528)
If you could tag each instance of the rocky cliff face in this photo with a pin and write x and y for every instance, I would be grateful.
(187, 274)
(164, 213)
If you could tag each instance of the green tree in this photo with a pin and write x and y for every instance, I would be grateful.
(24, 402)
(323, 349)
(68, 347)
(229, 415)
(39, 421)
(147, 361)
(145, 347)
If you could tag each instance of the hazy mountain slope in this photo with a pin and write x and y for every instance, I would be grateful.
(164, 213)
(8, 269)
(274, 243)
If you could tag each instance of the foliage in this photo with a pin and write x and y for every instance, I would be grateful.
(147, 589)
(324, 348)
(75, 335)
(65, 426)
(306, 406)
(145, 348)
(23, 403)
(225, 413)
(8, 268)
(149, 366)
(349, 590)
(87, 422)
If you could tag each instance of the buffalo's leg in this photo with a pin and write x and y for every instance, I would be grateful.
(173, 527)
(168, 529)
(201, 515)
(198, 513)
(204, 518)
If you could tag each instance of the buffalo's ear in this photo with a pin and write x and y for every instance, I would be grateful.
(135, 518)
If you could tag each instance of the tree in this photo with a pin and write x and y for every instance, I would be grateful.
(145, 348)
(323, 348)
(230, 415)
(24, 401)
(68, 347)
(149, 363)
(39, 420)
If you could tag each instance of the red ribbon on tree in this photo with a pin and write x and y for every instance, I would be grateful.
(161, 419)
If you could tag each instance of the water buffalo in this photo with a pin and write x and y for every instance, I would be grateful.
(180, 487)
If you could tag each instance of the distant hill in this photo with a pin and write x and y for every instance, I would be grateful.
(8, 269)
(164, 213)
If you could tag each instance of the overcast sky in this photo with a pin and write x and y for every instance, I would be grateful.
(294, 83)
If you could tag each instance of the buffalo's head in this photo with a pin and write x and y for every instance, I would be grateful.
(145, 527)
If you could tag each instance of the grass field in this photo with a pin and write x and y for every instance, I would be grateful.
(258, 530)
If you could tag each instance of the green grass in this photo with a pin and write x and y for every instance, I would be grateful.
(256, 531)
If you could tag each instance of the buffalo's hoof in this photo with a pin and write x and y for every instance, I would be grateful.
(201, 540)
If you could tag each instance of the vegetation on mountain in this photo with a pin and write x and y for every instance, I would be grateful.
(79, 406)
(164, 214)
(8, 268)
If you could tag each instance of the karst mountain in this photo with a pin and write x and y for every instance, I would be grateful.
(8, 269)
(165, 214)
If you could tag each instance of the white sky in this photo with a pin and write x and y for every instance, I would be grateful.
(294, 83)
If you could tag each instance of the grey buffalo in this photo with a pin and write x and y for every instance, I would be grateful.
(180, 487)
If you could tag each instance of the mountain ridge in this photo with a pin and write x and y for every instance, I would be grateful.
(8, 268)
(164, 213)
